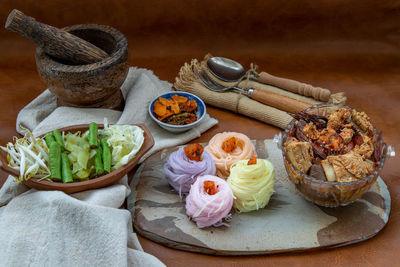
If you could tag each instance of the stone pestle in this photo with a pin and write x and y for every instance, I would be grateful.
(55, 42)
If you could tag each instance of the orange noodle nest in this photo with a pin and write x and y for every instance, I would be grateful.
(227, 148)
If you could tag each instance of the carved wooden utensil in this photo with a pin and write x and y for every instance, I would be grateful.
(229, 70)
(55, 42)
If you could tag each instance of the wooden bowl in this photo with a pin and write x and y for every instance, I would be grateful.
(92, 85)
(94, 183)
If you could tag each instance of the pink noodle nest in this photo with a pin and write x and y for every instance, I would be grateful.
(181, 172)
(209, 210)
(223, 160)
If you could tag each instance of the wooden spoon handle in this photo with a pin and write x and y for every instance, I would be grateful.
(317, 93)
(278, 101)
(53, 41)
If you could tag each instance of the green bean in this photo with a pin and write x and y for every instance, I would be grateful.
(49, 138)
(55, 161)
(66, 172)
(59, 139)
(106, 155)
(93, 135)
(98, 162)
(100, 148)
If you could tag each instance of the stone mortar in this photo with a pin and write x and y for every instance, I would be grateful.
(94, 85)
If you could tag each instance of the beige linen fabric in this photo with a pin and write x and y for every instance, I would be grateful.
(189, 82)
(51, 228)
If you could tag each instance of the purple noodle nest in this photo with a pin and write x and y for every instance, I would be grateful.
(181, 172)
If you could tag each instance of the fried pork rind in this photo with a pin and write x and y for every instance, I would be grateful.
(350, 166)
(338, 118)
(361, 120)
(310, 130)
(326, 134)
(346, 141)
(347, 135)
(341, 173)
(365, 149)
(347, 187)
(300, 154)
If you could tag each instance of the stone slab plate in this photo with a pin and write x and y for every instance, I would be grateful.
(289, 223)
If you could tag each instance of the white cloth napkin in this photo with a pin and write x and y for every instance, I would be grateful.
(51, 228)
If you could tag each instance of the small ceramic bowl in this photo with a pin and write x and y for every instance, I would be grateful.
(94, 183)
(201, 112)
(326, 193)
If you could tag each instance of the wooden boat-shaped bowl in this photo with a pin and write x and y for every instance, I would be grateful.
(94, 183)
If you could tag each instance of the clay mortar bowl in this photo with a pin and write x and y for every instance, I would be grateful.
(90, 85)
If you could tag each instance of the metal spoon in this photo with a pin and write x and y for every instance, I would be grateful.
(231, 71)
(226, 69)
(271, 99)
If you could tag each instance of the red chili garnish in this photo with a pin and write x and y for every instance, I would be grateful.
(252, 161)
(209, 187)
(194, 152)
(229, 145)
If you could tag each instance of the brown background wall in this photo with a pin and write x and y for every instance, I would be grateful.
(274, 20)
(185, 28)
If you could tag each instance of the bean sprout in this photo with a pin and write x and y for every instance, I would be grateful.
(29, 155)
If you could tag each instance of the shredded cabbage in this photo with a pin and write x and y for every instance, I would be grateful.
(124, 140)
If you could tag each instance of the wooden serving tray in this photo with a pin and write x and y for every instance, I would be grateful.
(289, 223)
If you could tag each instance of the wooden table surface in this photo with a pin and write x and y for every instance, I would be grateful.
(366, 69)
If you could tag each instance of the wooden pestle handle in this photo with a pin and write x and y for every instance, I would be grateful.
(317, 93)
(279, 101)
(54, 41)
